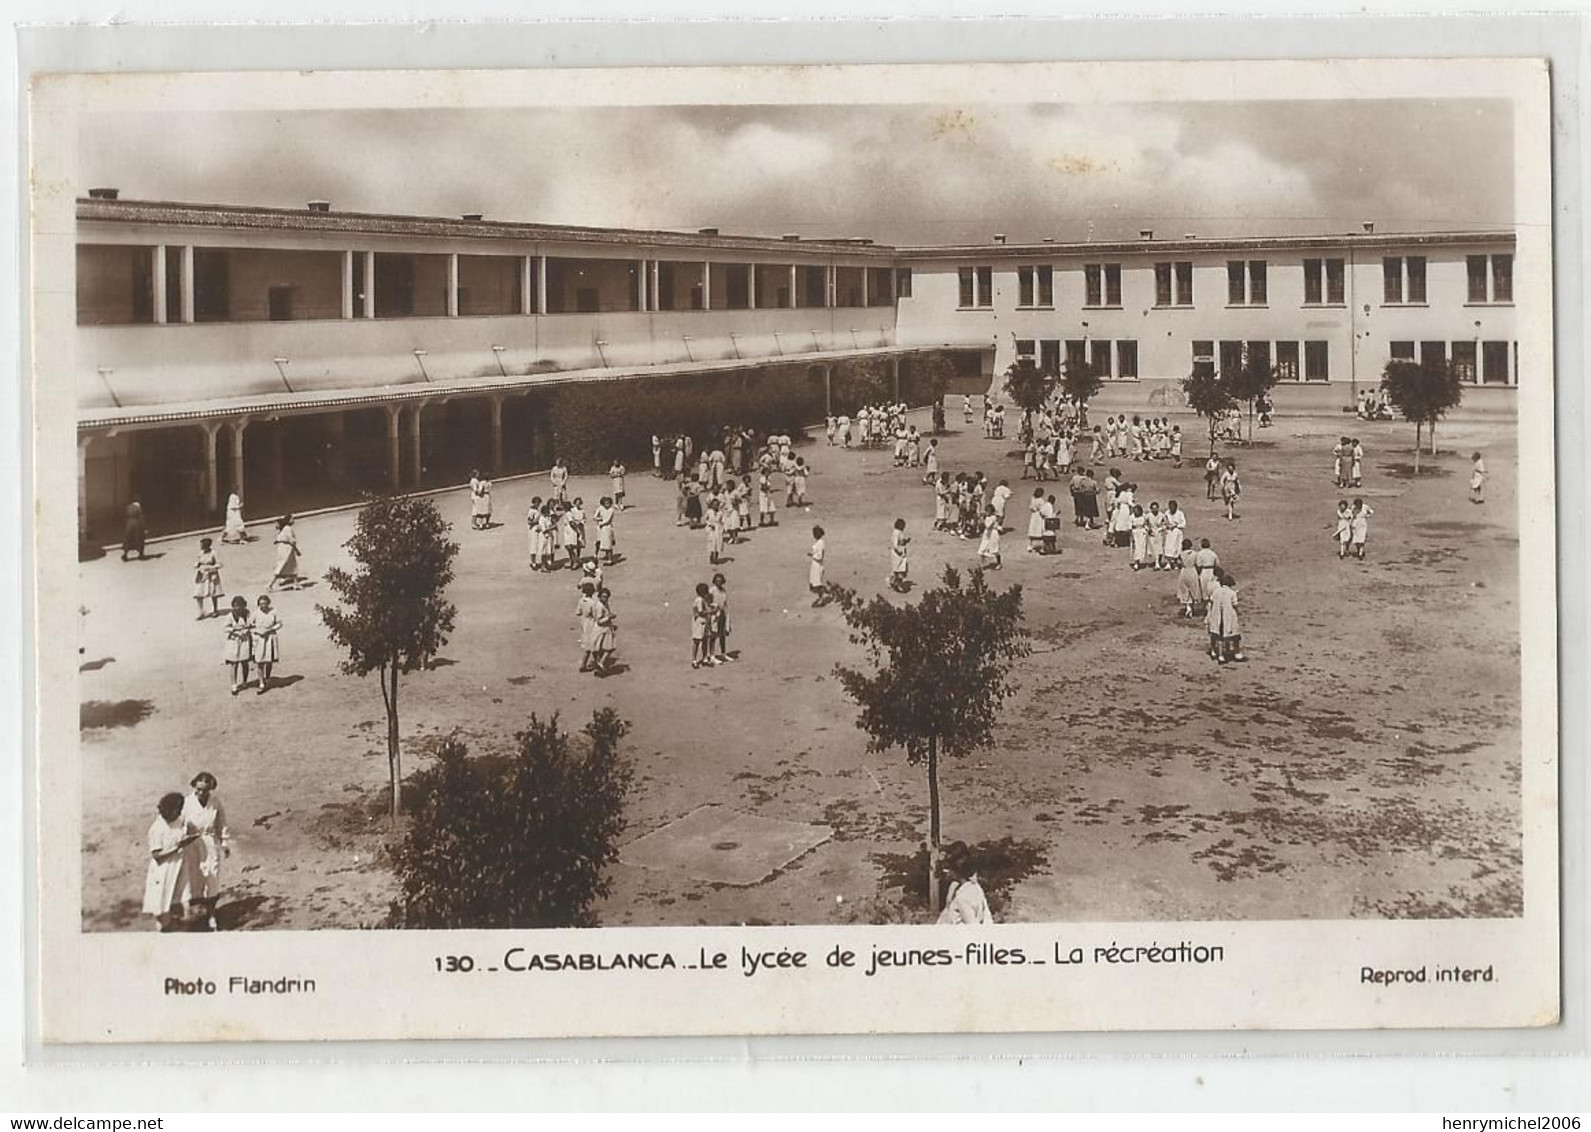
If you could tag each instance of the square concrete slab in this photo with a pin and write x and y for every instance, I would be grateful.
(723, 846)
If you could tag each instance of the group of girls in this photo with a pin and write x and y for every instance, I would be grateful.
(1155, 536)
(599, 624)
(559, 531)
(1347, 462)
(1221, 482)
(872, 427)
(710, 624)
(1352, 528)
(187, 841)
(1138, 439)
(252, 638)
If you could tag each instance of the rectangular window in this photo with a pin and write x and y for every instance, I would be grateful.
(1203, 357)
(1336, 276)
(1076, 354)
(1113, 284)
(1416, 269)
(880, 287)
(489, 284)
(1231, 357)
(986, 286)
(1287, 361)
(1127, 358)
(1024, 286)
(966, 296)
(1046, 277)
(1258, 290)
(1235, 294)
(1392, 279)
(1502, 278)
(1184, 283)
(903, 282)
(1099, 356)
(1024, 347)
(1401, 351)
(1494, 363)
(812, 287)
(1050, 355)
(1093, 293)
(174, 284)
(1314, 293)
(1433, 353)
(1036, 286)
(737, 286)
(1259, 355)
(1162, 284)
(1316, 363)
(1463, 354)
(1476, 267)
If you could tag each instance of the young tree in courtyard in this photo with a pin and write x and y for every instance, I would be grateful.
(1423, 392)
(925, 377)
(941, 670)
(524, 844)
(1210, 397)
(1028, 385)
(1080, 381)
(1249, 382)
(393, 618)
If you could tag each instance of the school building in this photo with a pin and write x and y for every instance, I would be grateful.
(299, 356)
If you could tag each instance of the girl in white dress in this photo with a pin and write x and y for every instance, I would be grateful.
(234, 531)
(989, 545)
(168, 883)
(586, 614)
(715, 532)
(207, 580)
(267, 646)
(1477, 479)
(701, 618)
(286, 554)
(203, 815)
(1138, 526)
(898, 565)
(533, 531)
(1188, 593)
(1359, 527)
(480, 502)
(1344, 529)
(616, 473)
(1036, 521)
(815, 557)
(1172, 525)
(604, 519)
(239, 649)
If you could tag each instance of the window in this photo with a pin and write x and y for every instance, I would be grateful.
(1324, 282)
(1259, 354)
(967, 293)
(903, 282)
(880, 287)
(977, 286)
(1403, 279)
(1402, 351)
(1099, 356)
(1076, 354)
(1494, 363)
(1162, 284)
(1203, 357)
(986, 286)
(1092, 291)
(1433, 353)
(1415, 265)
(1287, 361)
(1024, 348)
(1246, 282)
(1231, 357)
(1173, 284)
(1112, 285)
(1463, 354)
(1502, 278)
(1127, 358)
(1184, 283)
(1316, 367)
(1036, 286)
(1050, 355)
(1476, 267)
(1392, 280)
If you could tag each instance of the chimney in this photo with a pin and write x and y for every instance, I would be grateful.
(999, 237)
(320, 206)
(104, 194)
(471, 216)
(790, 236)
(1146, 233)
(707, 231)
(1189, 236)
(1049, 239)
(1370, 227)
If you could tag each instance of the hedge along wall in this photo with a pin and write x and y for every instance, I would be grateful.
(594, 422)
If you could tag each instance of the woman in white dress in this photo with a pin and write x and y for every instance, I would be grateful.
(989, 545)
(203, 816)
(234, 531)
(815, 569)
(286, 554)
(1036, 521)
(239, 651)
(267, 645)
(168, 883)
(480, 502)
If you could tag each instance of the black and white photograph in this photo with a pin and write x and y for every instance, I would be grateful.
(584, 512)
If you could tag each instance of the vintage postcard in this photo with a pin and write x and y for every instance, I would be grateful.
(794, 550)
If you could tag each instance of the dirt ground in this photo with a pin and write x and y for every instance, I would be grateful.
(1364, 763)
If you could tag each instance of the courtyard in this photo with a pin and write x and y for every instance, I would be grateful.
(1364, 763)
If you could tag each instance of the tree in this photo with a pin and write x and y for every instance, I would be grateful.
(941, 670)
(1423, 392)
(859, 382)
(1080, 382)
(1028, 385)
(1209, 396)
(925, 377)
(396, 618)
(521, 845)
(1249, 382)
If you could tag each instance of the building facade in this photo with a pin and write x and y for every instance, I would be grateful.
(300, 356)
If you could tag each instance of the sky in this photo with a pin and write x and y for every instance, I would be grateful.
(899, 174)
